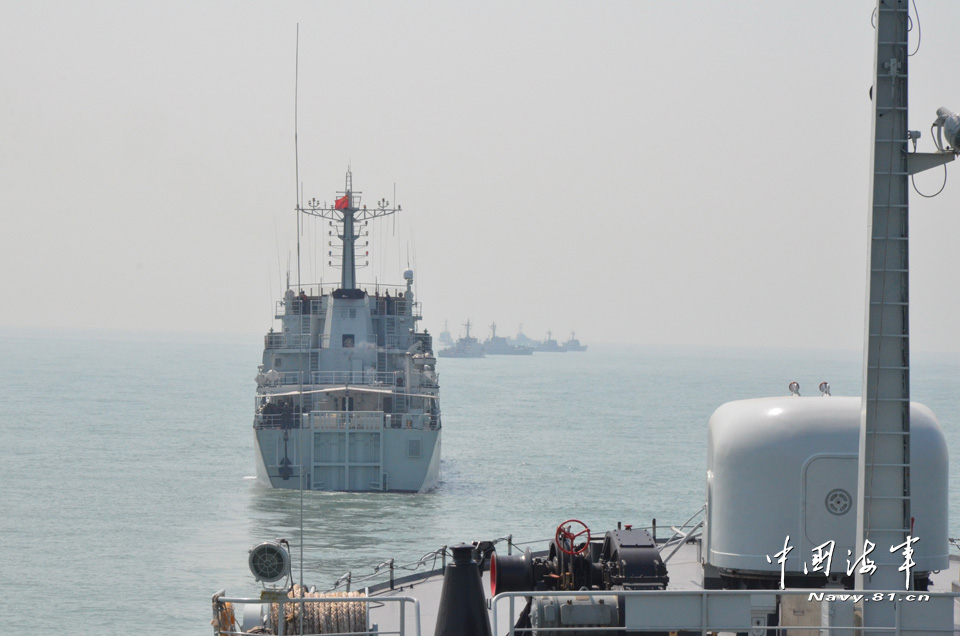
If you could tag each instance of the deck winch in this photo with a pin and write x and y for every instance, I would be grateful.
(623, 559)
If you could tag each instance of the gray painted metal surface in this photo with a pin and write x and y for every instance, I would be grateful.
(347, 392)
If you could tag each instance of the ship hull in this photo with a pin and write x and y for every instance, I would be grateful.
(510, 353)
(345, 460)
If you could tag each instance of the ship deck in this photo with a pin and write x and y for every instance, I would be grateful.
(685, 571)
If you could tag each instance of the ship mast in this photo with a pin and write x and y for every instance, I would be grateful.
(883, 513)
(346, 212)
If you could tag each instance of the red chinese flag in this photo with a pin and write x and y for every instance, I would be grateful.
(342, 203)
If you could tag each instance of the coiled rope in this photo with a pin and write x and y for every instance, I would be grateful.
(321, 618)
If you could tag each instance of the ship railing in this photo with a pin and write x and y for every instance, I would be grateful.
(292, 378)
(418, 421)
(312, 306)
(367, 378)
(289, 378)
(681, 534)
(274, 341)
(278, 378)
(286, 341)
(371, 288)
(383, 306)
(231, 618)
(294, 308)
(289, 419)
(397, 307)
(347, 420)
(298, 340)
(344, 420)
(815, 611)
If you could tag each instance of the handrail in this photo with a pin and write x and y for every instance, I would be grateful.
(683, 540)
(680, 614)
(678, 530)
(366, 378)
(343, 420)
(219, 600)
(286, 340)
(428, 560)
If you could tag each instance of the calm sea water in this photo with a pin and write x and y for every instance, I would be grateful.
(126, 465)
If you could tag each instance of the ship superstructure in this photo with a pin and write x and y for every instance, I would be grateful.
(498, 346)
(465, 347)
(347, 393)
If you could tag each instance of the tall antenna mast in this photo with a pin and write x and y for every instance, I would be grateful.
(296, 155)
(346, 212)
(296, 146)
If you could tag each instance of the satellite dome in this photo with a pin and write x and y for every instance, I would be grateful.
(408, 274)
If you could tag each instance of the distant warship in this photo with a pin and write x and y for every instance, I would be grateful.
(522, 339)
(498, 345)
(445, 339)
(549, 345)
(466, 347)
(572, 344)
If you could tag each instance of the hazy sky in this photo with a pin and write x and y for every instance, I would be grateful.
(649, 172)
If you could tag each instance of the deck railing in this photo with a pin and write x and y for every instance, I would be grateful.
(347, 420)
(288, 378)
(287, 341)
(363, 378)
(278, 420)
(367, 378)
(229, 615)
(691, 611)
(744, 611)
(298, 307)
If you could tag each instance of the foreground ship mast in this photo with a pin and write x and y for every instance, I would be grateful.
(884, 518)
(348, 395)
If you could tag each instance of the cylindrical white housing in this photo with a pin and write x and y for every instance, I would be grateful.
(787, 466)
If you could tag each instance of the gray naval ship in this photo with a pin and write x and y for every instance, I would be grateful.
(465, 347)
(822, 515)
(572, 344)
(348, 394)
(498, 346)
